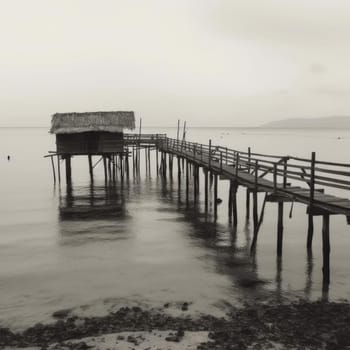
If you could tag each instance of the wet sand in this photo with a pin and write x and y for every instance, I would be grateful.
(302, 325)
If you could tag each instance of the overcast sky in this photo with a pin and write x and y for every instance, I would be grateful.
(210, 62)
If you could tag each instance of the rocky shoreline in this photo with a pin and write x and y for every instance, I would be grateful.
(301, 325)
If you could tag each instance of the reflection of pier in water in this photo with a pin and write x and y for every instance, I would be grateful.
(231, 258)
(92, 203)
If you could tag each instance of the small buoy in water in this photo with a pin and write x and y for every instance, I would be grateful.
(218, 200)
(8, 157)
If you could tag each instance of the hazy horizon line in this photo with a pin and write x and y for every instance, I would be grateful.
(152, 126)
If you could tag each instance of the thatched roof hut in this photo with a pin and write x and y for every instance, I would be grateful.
(72, 123)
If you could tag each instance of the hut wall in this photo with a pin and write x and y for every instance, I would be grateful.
(89, 143)
(110, 142)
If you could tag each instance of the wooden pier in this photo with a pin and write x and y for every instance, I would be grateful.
(280, 178)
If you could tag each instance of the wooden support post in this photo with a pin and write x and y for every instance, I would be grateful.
(195, 191)
(255, 219)
(116, 165)
(255, 207)
(133, 160)
(127, 163)
(109, 168)
(234, 204)
(139, 160)
(237, 165)
(157, 163)
(184, 131)
(121, 165)
(113, 167)
(285, 165)
(206, 189)
(325, 248)
(209, 160)
(105, 167)
(91, 171)
(197, 180)
(136, 160)
(178, 167)
(170, 165)
(230, 202)
(146, 161)
(68, 170)
(247, 214)
(215, 196)
(161, 164)
(249, 159)
(187, 179)
(59, 168)
(53, 169)
(310, 231)
(274, 177)
(149, 161)
(164, 165)
(280, 229)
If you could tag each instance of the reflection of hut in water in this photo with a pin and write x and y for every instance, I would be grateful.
(91, 133)
(92, 203)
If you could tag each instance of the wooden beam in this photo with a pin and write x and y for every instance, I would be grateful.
(247, 215)
(68, 170)
(234, 204)
(310, 231)
(206, 185)
(325, 248)
(59, 168)
(91, 168)
(280, 229)
(53, 170)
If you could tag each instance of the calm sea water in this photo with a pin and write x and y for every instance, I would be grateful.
(151, 248)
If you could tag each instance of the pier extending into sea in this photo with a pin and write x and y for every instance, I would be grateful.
(280, 178)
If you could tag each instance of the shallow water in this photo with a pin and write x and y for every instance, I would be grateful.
(151, 247)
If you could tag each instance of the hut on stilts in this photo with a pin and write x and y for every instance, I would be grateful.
(91, 134)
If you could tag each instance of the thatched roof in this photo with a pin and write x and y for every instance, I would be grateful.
(71, 123)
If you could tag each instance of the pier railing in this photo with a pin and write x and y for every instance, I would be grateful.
(280, 169)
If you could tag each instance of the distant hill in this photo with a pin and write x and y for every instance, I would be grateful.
(311, 123)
